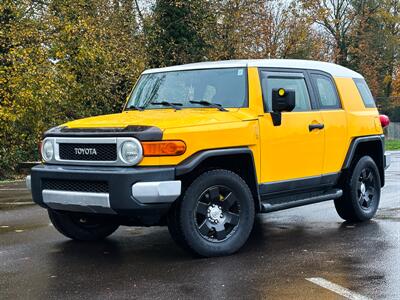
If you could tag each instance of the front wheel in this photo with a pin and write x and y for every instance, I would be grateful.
(82, 227)
(215, 215)
(361, 192)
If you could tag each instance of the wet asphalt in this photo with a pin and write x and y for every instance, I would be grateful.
(285, 249)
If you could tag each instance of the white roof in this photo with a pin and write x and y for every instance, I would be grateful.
(333, 69)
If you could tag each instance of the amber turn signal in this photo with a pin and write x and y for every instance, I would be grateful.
(163, 148)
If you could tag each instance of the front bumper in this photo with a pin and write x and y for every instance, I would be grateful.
(125, 191)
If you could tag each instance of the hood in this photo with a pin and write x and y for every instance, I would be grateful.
(161, 118)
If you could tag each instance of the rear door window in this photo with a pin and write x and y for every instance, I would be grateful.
(327, 94)
(365, 92)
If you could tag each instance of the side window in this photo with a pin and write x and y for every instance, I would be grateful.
(328, 98)
(298, 84)
(365, 93)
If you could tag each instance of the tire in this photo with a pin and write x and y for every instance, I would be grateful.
(173, 225)
(361, 192)
(81, 227)
(215, 215)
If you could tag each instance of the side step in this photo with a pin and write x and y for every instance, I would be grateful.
(267, 206)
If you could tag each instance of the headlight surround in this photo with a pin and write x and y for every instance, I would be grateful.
(47, 150)
(131, 152)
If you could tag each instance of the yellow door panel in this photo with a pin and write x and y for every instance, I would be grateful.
(291, 151)
(334, 119)
(336, 141)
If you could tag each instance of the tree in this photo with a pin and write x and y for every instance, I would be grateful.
(389, 15)
(264, 29)
(26, 81)
(298, 38)
(175, 32)
(374, 45)
(98, 53)
(67, 59)
(336, 18)
(365, 37)
(365, 43)
(62, 60)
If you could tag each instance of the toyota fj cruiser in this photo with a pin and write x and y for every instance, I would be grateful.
(204, 147)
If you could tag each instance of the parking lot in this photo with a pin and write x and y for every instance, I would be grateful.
(302, 253)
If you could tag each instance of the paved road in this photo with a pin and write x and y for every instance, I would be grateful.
(302, 253)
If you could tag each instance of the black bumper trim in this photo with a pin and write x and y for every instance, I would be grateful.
(119, 179)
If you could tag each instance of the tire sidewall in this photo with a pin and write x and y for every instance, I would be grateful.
(188, 207)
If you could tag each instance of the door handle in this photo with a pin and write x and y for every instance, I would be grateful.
(311, 127)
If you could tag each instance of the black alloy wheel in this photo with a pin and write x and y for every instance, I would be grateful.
(217, 214)
(366, 191)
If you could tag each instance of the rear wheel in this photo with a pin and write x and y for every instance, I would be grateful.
(82, 227)
(361, 192)
(215, 215)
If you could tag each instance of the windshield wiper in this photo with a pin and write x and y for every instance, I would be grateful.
(134, 107)
(174, 105)
(209, 104)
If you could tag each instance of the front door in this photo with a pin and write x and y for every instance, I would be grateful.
(292, 153)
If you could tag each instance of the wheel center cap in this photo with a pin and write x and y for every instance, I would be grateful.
(362, 188)
(215, 212)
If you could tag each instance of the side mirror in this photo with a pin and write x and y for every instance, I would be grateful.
(282, 100)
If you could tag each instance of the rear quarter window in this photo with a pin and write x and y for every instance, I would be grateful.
(365, 92)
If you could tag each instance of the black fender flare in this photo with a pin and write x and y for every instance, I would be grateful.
(195, 160)
(364, 139)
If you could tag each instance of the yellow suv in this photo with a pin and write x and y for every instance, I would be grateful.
(204, 147)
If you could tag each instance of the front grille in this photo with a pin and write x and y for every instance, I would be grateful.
(75, 185)
(88, 152)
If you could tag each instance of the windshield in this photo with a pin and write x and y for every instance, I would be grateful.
(226, 87)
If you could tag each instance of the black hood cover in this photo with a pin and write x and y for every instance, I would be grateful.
(143, 133)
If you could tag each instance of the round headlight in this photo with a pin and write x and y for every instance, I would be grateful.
(131, 152)
(47, 150)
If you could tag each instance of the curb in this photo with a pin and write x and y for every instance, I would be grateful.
(393, 151)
